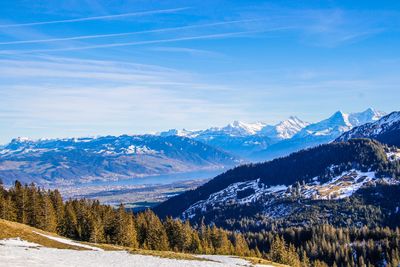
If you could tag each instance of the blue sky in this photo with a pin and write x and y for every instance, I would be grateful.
(79, 68)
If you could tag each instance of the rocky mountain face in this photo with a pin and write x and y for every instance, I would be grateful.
(291, 190)
(78, 160)
(386, 130)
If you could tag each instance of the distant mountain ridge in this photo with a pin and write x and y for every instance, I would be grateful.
(259, 141)
(321, 132)
(282, 130)
(385, 130)
(76, 160)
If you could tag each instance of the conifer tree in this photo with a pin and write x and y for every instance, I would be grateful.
(152, 232)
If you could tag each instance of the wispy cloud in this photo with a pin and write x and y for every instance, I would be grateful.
(192, 51)
(101, 95)
(146, 42)
(107, 17)
(84, 37)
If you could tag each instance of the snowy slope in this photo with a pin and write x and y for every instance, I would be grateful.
(255, 193)
(20, 253)
(386, 130)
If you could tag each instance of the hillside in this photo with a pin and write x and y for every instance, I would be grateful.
(21, 245)
(80, 160)
(327, 172)
(386, 130)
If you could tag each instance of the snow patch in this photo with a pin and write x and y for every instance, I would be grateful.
(20, 253)
(68, 242)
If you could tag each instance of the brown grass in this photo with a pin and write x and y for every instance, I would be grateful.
(259, 261)
(166, 254)
(13, 230)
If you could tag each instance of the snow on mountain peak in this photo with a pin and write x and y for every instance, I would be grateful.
(242, 128)
(381, 129)
(366, 116)
(285, 129)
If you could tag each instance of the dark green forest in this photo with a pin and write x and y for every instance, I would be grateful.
(87, 220)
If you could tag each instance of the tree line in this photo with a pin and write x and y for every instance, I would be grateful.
(88, 220)
(326, 245)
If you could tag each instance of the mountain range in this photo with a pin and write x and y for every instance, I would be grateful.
(260, 141)
(346, 182)
(78, 160)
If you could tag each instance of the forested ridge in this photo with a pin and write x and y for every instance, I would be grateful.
(361, 230)
(363, 154)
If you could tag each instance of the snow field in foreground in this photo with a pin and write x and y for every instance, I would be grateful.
(19, 253)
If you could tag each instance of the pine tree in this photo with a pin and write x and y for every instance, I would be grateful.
(58, 205)
(50, 215)
(278, 250)
(152, 232)
(240, 244)
(97, 231)
(125, 232)
(20, 198)
(68, 225)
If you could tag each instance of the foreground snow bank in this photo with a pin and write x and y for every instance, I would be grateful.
(19, 253)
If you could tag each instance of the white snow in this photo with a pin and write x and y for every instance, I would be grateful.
(230, 194)
(19, 253)
(17, 242)
(68, 242)
(393, 155)
(253, 191)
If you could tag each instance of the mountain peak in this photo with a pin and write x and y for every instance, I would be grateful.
(284, 129)
(365, 116)
(338, 113)
(21, 139)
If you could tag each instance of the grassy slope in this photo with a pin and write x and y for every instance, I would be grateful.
(13, 230)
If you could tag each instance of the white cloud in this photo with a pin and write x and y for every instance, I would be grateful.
(106, 17)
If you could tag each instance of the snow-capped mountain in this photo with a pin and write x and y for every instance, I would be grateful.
(321, 132)
(237, 128)
(260, 141)
(385, 130)
(76, 160)
(240, 138)
(339, 123)
(285, 129)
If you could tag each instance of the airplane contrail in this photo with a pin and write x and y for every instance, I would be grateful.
(83, 37)
(179, 39)
(143, 13)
